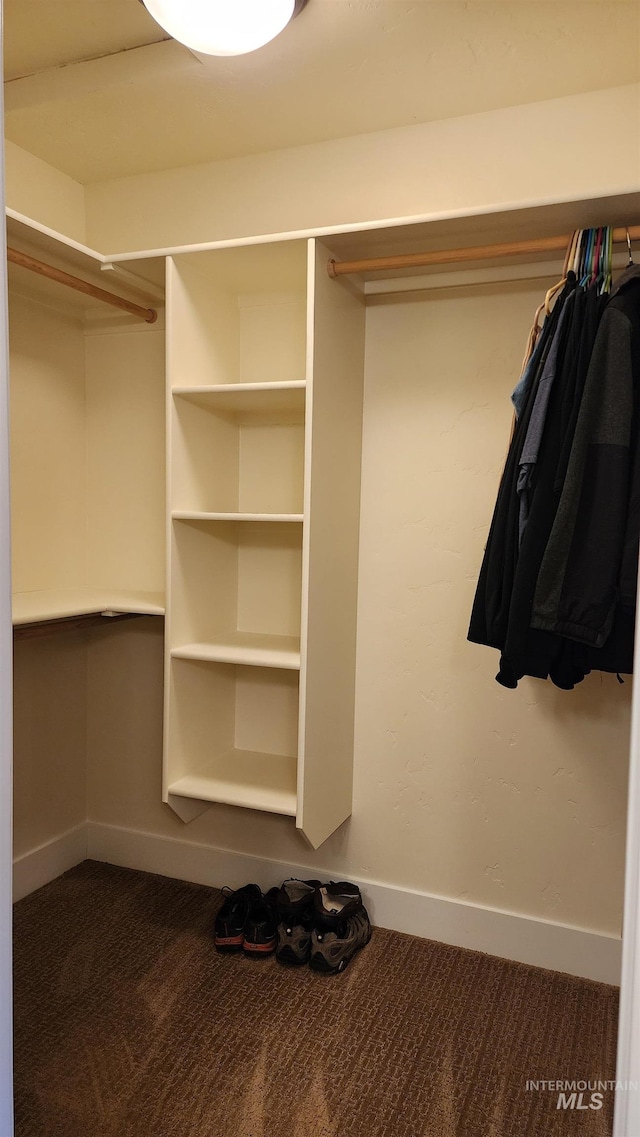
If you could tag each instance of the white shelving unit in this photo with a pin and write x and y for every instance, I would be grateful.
(260, 504)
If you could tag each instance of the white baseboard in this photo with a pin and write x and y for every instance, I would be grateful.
(48, 861)
(541, 943)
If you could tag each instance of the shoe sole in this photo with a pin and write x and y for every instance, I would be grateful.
(229, 943)
(259, 950)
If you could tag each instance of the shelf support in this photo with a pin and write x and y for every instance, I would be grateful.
(187, 808)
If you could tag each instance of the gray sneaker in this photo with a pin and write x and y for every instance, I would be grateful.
(295, 920)
(341, 927)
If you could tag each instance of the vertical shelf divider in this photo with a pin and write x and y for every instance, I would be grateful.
(335, 383)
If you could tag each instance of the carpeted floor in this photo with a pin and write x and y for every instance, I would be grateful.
(129, 1024)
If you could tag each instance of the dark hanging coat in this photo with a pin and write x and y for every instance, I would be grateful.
(586, 588)
(490, 616)
(567, 596)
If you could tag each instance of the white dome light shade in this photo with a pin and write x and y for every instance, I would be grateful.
(222, 27)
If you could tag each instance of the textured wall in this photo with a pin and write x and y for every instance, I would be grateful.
(510, 799)
(48, 448)
(527, 154)
(38, 190)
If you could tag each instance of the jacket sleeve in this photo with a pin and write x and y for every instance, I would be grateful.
(577, 587)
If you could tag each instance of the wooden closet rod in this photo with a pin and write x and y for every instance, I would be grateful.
(51, 273)
(475, 253)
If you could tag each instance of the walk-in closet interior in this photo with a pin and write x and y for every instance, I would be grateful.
(250, 505)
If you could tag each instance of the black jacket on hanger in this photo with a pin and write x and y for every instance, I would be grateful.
(527, 650)
(586, 587)
(567, 596)
(490, 615)
(522, 652)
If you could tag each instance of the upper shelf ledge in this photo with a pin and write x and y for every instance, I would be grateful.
(144, 287)
(60, 604)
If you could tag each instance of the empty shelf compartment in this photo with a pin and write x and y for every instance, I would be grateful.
(236, 461)
(233, 734)
(238, 315)
(245, 778)
(229, 577)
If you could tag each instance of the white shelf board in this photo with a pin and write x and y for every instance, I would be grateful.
(193, 515)
(60, 604)
(246, 648)
(246, 778)
(247, 398)
(533, 217)
(50, 241)
(146, 603)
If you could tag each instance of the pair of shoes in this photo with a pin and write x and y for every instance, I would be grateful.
(323, 925)
(247, 922)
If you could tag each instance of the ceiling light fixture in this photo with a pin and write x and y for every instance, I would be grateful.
(223, 27)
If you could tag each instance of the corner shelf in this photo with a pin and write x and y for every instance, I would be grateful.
(59, 604)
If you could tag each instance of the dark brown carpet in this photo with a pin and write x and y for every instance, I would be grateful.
(128, 1024)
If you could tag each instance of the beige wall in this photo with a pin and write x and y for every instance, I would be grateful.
(48, 447)
(510, 799)
(87, 452)
(41, 192)
(50, 739)
(539, 152)
(125, 529)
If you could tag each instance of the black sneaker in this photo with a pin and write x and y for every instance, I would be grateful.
(295, 920)
(232, 918)
(342, 927)
(261, 929)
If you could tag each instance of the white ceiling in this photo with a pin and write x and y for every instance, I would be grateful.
(95, 87)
